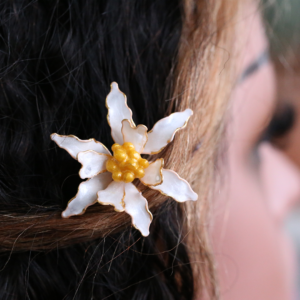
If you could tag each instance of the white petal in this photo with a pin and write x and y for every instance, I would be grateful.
(135, 135)
(74, 145)
(175, 187)
(113, 195)
(164, 131)
(93, 163)
(153, 174)
(87, 194)
(118, 110)
(137, 207)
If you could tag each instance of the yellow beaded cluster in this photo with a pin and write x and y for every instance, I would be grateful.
(126, 163)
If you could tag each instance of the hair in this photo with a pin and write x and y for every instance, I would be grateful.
(57, 61)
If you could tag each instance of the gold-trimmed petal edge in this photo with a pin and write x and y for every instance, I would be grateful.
(84, 210)
(160, 171)
(136, 127)
(151, 217)
(148, 211)
(78, 139)
(106, 105)
(180, 179)
(107, 203)
(172, 137)
(97, 153)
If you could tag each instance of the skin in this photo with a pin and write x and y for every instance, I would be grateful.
(254, 258)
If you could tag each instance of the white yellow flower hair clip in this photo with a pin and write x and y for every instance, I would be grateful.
(110, 176)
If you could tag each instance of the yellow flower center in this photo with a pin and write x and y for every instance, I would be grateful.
(126, 163)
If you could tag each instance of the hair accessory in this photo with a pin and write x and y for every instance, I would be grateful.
(110, 176)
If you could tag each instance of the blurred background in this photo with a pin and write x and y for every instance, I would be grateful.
(282, 19)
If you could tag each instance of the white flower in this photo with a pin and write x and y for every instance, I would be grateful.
(110, 176)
